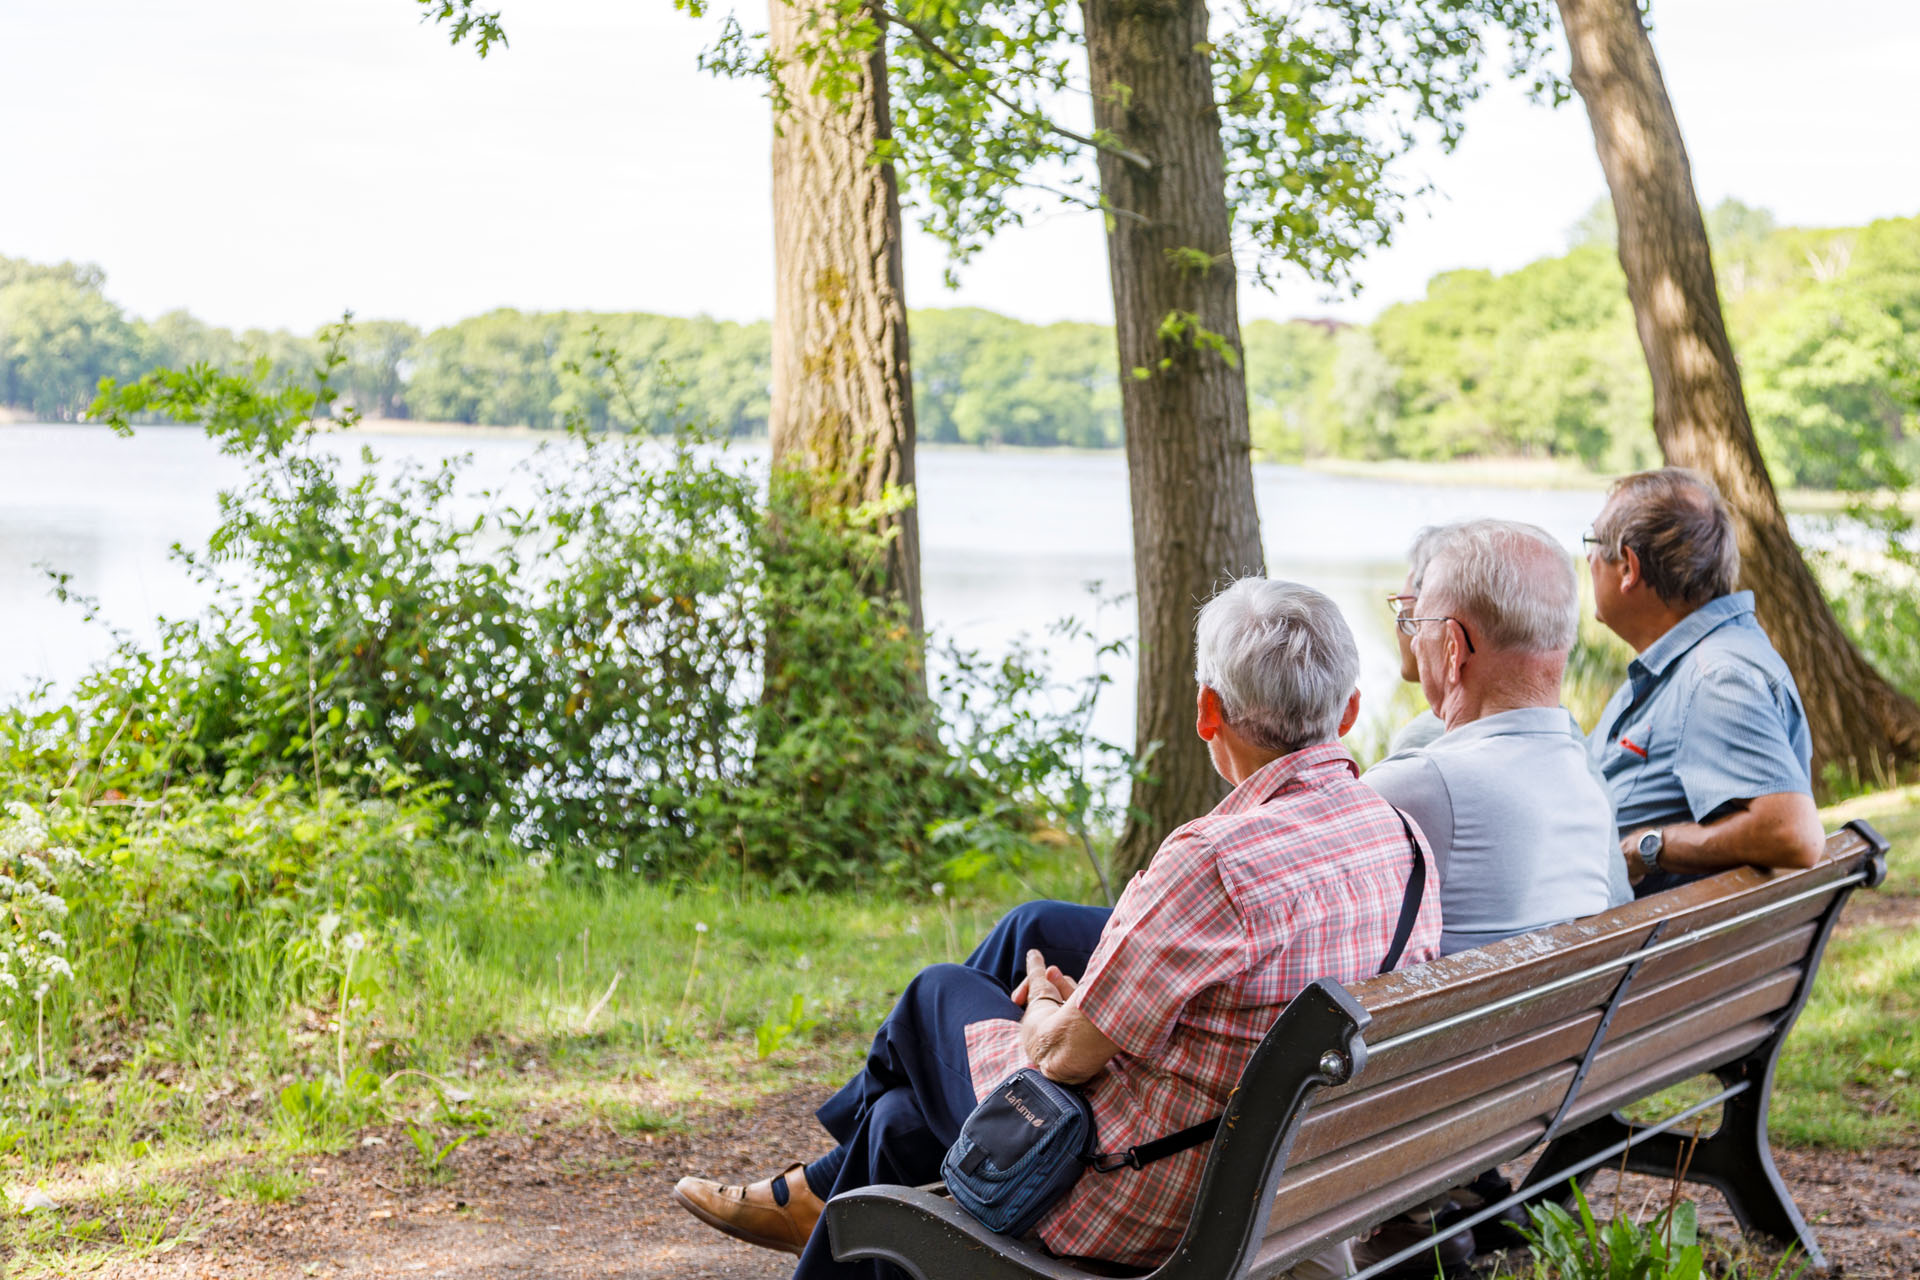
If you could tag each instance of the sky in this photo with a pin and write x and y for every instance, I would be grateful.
(270, 163)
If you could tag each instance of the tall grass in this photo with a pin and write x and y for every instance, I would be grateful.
(490, 974)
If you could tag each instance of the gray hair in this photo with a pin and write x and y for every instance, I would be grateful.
(1281, 659)
(1676, 522)
(1511, 582)
(1420, 554)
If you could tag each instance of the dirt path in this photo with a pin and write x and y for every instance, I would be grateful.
(557, 1202)
(588, 1202)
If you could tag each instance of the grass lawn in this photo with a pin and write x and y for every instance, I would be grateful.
(1847, 1078)
(641, 1008)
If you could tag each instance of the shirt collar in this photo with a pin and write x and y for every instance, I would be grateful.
(1688, 632)
(1308, 767)
(1517, 720)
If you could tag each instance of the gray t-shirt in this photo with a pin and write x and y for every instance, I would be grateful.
(1519, 823)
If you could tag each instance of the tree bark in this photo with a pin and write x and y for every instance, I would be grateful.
(1189, 461)
(842, 404)
(1860, 724)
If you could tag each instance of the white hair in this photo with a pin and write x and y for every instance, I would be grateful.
(1510, 582)
(1281, 659)
(1420, 554)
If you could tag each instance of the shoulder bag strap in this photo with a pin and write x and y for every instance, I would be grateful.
(1410, 904)
(1192, 1136)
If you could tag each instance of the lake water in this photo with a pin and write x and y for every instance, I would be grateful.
(1010, 541)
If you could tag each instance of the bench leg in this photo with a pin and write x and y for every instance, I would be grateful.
(1734, 1159)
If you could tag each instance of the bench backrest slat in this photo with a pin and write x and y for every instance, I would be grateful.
(1313, 1185)
(1353, 1194)
(1353, 1117)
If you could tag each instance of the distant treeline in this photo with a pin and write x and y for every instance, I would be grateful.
(1542, 362)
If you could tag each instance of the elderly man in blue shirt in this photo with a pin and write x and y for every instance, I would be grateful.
(1705, 747)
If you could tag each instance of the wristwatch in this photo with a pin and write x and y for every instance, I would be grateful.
(1651, 843)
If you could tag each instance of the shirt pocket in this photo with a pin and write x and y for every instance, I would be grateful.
(1630, 760)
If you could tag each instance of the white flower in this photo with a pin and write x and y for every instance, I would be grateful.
(938, 888)
(700, 926)
(804, 963)
(606, 861)
(30, 945)
(354, 943)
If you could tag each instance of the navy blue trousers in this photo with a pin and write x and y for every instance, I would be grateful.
(895, 1120)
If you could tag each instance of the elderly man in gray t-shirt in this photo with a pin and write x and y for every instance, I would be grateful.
(1522, 829)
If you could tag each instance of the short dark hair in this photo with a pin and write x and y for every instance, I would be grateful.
(1675, 521)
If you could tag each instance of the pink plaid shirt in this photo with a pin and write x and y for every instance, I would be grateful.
(1297, 875)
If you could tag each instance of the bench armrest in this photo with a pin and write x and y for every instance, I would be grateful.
(932, 1238)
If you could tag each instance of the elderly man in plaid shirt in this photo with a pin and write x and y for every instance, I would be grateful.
(1300, 873)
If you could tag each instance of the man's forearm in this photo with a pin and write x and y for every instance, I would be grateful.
(1772, 831)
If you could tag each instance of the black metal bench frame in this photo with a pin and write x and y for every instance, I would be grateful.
(1319, 1042)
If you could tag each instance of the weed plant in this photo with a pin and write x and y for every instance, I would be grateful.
(1576, 1245)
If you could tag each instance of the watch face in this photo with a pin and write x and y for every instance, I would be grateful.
(1650, 849)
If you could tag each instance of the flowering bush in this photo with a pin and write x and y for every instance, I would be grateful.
(32, 949)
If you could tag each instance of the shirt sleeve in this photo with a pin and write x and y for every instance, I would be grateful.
(1735, 743)
(1175, 932)
(1411, 783)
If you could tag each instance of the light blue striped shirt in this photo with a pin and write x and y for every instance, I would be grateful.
(1709, 715)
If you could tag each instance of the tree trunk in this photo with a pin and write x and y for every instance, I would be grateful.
(1860, 724)
(1188, 449)
(842, 407)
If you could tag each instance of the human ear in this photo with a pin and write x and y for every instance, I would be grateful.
(1630, 568)
(1351, 716)
(1209, 717)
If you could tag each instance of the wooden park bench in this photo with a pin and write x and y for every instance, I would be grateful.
(1364, 1102)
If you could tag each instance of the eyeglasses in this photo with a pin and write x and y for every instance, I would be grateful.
(1401, 604)
(1407, 622)
(1592, 541)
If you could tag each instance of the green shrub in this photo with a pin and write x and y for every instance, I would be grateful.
(653, 660)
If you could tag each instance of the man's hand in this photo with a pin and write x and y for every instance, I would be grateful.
(1058, 1038)
(1052, 982)
(1630, 850)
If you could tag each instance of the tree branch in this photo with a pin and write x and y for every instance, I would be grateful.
(960, 62)
(833, 119)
